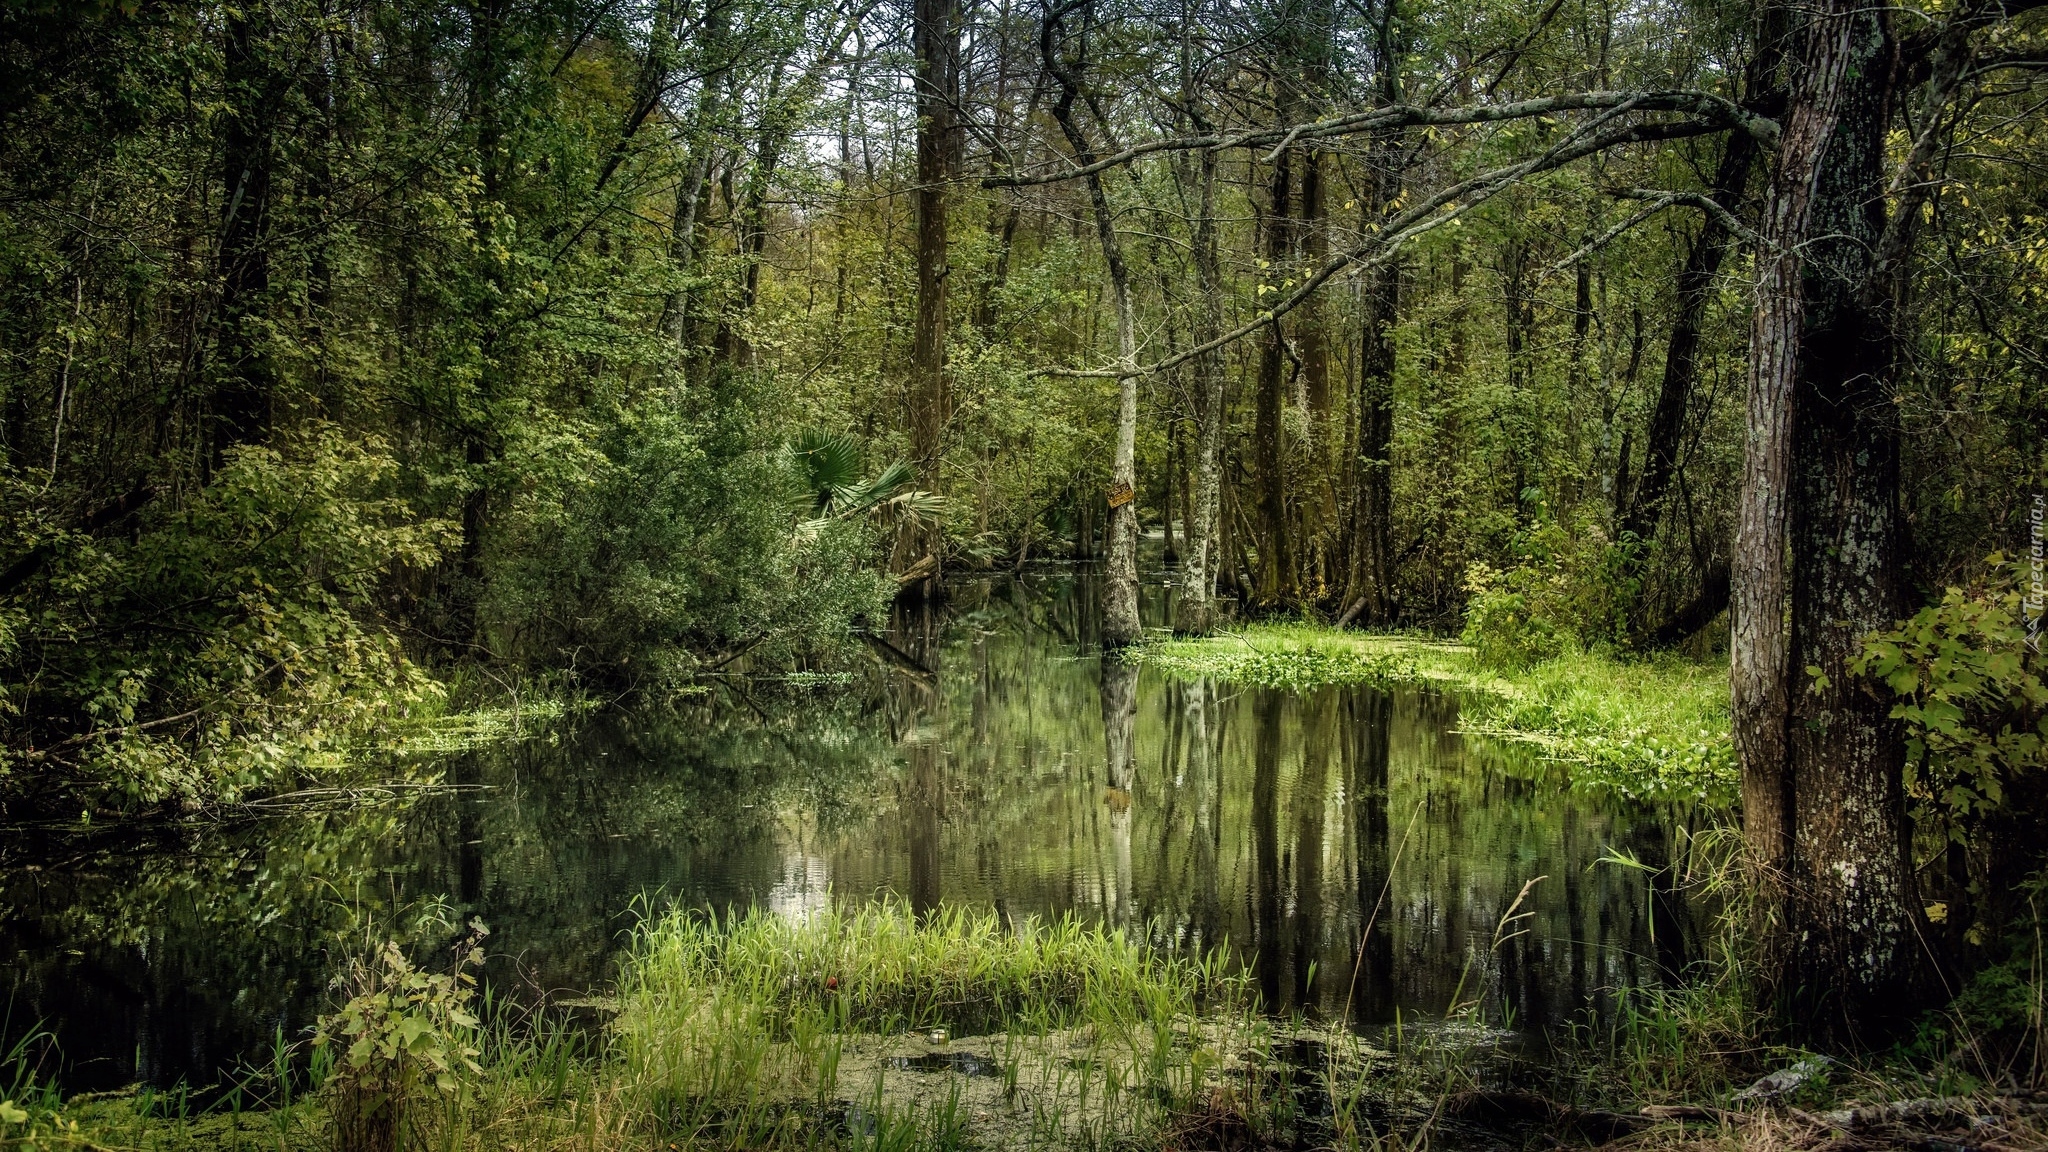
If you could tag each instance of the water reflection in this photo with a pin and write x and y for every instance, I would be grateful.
(994, 762)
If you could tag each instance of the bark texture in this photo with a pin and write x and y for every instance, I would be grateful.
(1822, 760)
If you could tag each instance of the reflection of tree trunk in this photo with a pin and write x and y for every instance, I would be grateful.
(1119, 724)
(1371, 720)
(927, 795)
(469, 851)
(1307, 915)
(1202, 795)
(1268, 904)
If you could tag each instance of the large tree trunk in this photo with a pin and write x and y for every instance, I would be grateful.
(935, 38)
(1823, 800)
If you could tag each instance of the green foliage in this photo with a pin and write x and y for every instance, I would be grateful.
(1505, 621)
(1971, 695)
(671, 537)
(1654, 727)
(1568, 589)
(224, 647)
(403, 1032)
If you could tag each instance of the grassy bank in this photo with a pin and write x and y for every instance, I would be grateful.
(871, 1030)
(1653, 728)
(868, 1029)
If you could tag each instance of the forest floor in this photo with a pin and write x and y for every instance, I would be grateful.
(1654, 727)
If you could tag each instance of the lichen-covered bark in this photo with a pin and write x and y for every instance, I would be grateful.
(1120, 624)
(1824, 803)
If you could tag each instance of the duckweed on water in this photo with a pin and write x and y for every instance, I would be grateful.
(1653, 728)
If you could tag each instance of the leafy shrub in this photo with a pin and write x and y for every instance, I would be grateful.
(226, 645)
(1505, 619)
(1569, 588)
(403, 1033)
(668, 535)
(1971, 695)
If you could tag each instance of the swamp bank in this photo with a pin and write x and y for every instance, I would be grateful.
(1013, 896)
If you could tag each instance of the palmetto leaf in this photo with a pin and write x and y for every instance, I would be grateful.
(830, 465)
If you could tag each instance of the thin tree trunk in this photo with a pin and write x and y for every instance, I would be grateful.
(245, 379)
(1198, 599)
(1372, 533)
(1276, 559)
(1120, 624)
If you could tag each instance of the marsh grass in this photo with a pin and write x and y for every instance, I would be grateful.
(855, 1027)
(1653, 728)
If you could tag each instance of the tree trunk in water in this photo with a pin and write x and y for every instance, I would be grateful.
(1823, 799)
(935, 40)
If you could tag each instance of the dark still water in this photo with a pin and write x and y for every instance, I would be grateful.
(1023, 777)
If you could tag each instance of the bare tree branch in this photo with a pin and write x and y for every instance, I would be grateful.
(1719, 111)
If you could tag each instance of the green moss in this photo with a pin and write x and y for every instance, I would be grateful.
(1654, 728)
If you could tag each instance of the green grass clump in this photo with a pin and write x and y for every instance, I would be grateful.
(763, 1030)
(1651, 728)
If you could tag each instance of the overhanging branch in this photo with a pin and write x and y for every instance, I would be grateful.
(1718, 111)
(1440, 209)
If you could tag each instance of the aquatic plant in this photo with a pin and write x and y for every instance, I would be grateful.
(1649, 728)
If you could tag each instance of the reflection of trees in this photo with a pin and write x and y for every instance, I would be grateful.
(1119, 725)
(1368, 717)
(1268, 929)
(195, 945)
(978, 787)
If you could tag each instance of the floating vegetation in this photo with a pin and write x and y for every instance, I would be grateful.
(1655, 728)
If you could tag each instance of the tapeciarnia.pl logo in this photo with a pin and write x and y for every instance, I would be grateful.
(2037, 570)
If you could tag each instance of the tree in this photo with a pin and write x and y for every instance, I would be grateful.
(1823, 796)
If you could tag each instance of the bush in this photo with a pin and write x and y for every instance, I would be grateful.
(670, 535)
(226, 646)
(1568, 589)
(404, 1033)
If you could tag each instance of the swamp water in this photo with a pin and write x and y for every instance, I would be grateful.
(1020, 776)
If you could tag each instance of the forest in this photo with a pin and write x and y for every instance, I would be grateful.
(1665, 382)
